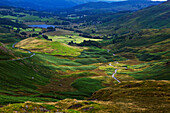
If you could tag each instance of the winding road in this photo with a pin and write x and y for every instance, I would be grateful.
(113, 75)
(13, 46)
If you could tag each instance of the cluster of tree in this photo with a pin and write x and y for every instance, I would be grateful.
(89, 43)
(62, 23)
(86, 35)
(23, 33)
(46, 37)
(86, 43)
(4, 30)
(4, 13)
(33, 35)
(72, 43)
(5, 21)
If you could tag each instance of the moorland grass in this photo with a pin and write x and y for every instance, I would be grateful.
(5, 99)
(100, 55)
(146, 96)
(156, 72)
(58, 61)
(87, 61)
(18, 75)
(8, 38)
(73, 68)
(61, 106)
(87, 85)
(149, 71)
(81, 74)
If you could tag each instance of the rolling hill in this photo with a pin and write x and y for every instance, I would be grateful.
(101, 7)
(151, 17)
(75, 79)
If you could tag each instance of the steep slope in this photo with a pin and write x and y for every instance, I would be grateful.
(149, 45)
(151, 17)
(143, 96)
(147, 96)
(5, 53)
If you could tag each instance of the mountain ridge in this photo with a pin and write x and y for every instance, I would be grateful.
(130, 5)
(54, 5)
(150, 17)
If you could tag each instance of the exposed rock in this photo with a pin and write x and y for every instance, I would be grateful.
(60, 85)
(75, 106)
(86, 103)
(127, 86)
(88, 108)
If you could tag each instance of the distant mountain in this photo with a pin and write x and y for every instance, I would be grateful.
(101, 7)
(53, 5)
(39, 4)
(82, 1)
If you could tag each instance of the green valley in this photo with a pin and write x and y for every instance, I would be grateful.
(101, 63)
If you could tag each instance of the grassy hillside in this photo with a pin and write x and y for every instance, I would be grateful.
(150, 17)
(148, 40)
(49, 78)
(7, 53)
(48, 47)
(150, 45)
(6, 24)
(20, 78)
(142, 96)
(67, 105)
(100, 7)
(139, 96)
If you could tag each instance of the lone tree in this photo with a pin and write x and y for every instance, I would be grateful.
(45, 36)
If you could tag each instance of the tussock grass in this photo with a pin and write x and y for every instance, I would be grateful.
(66, 105)
(144, 96)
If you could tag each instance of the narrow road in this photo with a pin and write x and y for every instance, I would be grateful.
(13, 46)
(113, 75)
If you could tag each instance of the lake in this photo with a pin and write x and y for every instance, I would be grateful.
(41, 26)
